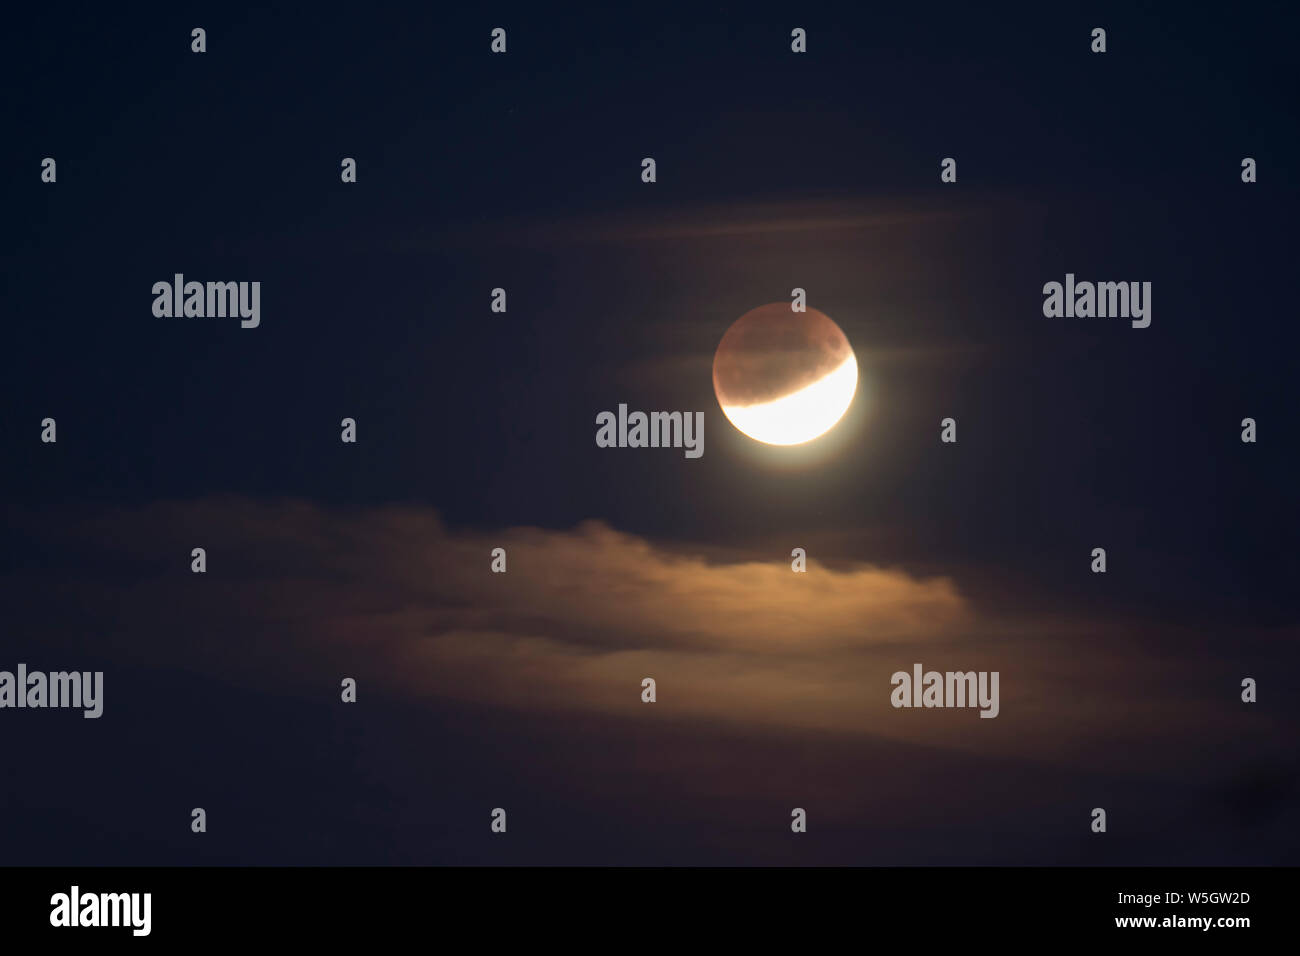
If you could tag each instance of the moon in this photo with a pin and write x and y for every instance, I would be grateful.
(784, 377)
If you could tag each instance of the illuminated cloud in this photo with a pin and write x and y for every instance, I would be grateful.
(297, 596)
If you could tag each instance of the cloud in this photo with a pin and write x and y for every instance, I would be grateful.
(298, 596)
(584, 599)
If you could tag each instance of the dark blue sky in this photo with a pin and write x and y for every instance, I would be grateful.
(523, 171)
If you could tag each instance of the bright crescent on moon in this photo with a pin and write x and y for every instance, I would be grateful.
(800, 416)
(784, 377)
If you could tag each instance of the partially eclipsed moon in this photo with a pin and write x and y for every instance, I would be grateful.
(784, 377)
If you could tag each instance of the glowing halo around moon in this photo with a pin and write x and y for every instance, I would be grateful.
(784, 377)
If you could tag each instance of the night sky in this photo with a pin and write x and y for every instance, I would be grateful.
(476, 430)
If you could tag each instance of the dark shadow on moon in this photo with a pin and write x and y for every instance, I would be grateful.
(772, 351)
